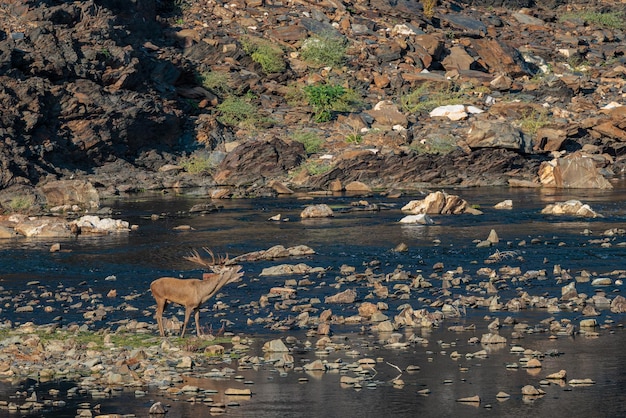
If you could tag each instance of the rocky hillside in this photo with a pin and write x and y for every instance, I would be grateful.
(254, 96)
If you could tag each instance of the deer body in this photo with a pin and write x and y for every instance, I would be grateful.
(190, 293)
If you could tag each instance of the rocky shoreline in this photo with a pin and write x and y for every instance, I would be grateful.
(164, 95)
(475, 316)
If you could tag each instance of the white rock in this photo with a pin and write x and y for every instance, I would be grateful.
(421, 219)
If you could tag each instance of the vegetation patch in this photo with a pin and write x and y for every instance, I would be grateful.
(316, 167)
(533, 120)
(240, 112)
(429, 96)
(311, 141)
(610, 20)
(216, 81)
(20, 203)
(265, 53)
(326, 50)
(328, 98)
(428, 7)
(197, 164)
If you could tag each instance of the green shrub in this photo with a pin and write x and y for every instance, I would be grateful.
(328, 98)
(611, 20)
(327, 50)
(429, 7)
(265, 53)
(533, 120)
(217, 82)
(428, 96)
(21, 203)
(238, 111)
(197, 164)
(316, 167)
(354, 138)
(311, 141)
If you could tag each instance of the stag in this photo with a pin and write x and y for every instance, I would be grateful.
(191, 293)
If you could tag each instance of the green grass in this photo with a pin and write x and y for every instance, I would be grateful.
(239, 112)
(326, 50)
(265, 53)
(532, 121)
(328, 98)
(216, 81)
(316, 167)
(610, 20)
(428, 96)
(311, 141)
(130, 340)
(354, 138)
(197, 164)
(20, 203)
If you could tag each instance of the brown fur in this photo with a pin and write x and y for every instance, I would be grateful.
(190, 293)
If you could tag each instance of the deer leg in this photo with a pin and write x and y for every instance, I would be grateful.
(197, 316)
(159, 316)
(187, 315)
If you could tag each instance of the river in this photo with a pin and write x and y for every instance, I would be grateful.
(129, 262)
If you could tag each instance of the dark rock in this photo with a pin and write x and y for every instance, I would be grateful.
(259, 160)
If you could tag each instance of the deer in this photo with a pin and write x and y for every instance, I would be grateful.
(192, 293)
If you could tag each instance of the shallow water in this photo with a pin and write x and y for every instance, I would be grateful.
(129, 262)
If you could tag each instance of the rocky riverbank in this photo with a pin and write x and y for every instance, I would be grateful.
(263, 97)
(475, 319)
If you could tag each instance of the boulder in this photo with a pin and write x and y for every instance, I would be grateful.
(500, 58)
(272, 253)
(458, 59)
(618, 305)
(44, 228)
(317, 211)
(454, 112)
(285, 270)
(347, 296)
(275, 346)
(91, 224)
(530, 390)
(505, 204)
(421, 219)
(256, 160)
(367, 309)
(439, 203)
(575, 171)
(387, 115)
(70, 192)
(497, 134)
(492, 339)
(571, 207)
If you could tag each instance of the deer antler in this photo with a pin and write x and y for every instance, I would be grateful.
(214, 265)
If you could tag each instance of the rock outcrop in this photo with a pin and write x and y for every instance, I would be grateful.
(148, 95)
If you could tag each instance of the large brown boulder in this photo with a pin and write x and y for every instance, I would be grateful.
(70, 192)
(259, 160)
(576, 171)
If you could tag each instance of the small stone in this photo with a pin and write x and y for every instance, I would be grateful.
(560, 375)
(530, 390)
(533, 363)
(470, 399)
